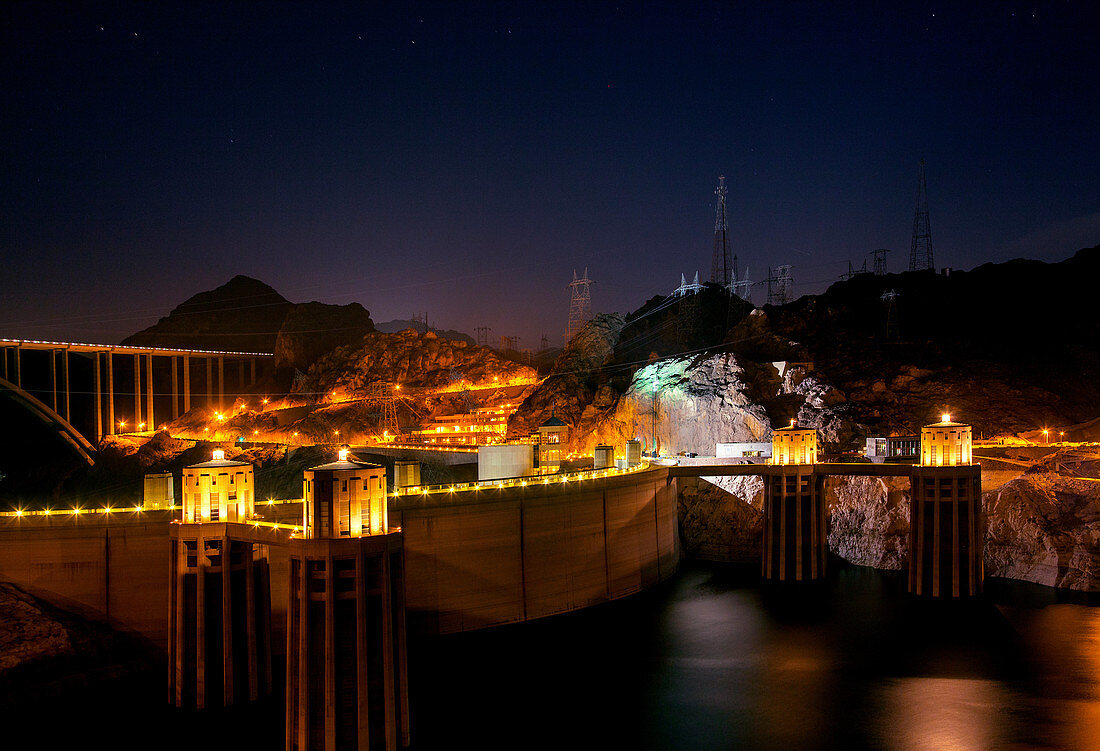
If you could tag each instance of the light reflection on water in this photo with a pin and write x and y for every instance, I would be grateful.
(713, 661)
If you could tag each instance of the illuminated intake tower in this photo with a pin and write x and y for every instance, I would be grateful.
(946, 531)
(346, 673)
(794, 508)
(219, 591)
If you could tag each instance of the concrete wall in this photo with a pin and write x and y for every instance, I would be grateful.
(512, 555)
(504, 555)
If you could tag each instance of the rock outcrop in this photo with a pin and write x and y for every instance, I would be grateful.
(574, 383)
(718, 521)
(311, 330)
(246, 315)
(869, 520)
(409, 359)
(715, 399)
(27, 632)
(1044, 526)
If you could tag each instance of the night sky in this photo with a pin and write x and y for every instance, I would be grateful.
(464, 160)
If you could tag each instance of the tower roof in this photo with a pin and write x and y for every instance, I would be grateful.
(553, 422)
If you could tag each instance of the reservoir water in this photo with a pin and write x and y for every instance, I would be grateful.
(713, 661)
(709, 660)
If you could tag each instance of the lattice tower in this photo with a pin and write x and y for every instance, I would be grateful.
(723, 268)
(580, 303)
(920, 256)
(780, 285)
(482, 335)
(880, 261)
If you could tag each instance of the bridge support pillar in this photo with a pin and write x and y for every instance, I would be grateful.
(149, 418)
(53, 377)
(110, 392)
(795, 543)
(946, 531)
(209, 382)
(186, 384)
(97, 388)
(240, 378)
(65, 371)
(346, 672)
(137, 391)
(219, 577)
(175, 387)
(18, 369)
(252, 380)
(221, 383)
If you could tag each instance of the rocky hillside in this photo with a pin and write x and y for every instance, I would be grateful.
(409, 359)
(246, 315)
(392, 327)
(1004, 344)
(577, 382)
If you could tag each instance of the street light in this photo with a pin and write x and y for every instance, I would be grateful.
(1047, 434)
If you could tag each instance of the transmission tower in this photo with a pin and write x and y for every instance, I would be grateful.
(580, 304)
(482, 335)
(920, 256)
(880, 261)
(544, 343)
(382, 394)
(688, 310)
(780, 285)
(743, 288)
(853, 271)
(420, 323)
(890, 311)
(723, 268)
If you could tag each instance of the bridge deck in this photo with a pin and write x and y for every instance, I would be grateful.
(119, 349)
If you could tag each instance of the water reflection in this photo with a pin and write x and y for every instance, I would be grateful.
(714, 661)
(942, 714)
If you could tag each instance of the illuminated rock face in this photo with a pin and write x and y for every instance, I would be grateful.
(1044, 527)
(568, 391)
(869, 520)
(717, 400)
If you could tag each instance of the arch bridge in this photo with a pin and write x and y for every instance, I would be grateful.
(88, 391)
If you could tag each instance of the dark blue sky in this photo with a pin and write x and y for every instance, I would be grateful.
(463, 160)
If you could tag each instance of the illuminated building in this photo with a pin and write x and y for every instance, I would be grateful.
(795, 542)
(345, 498)
(218, 490)
(346, 668)
(946, 529)
(507, 461)
(633, 453)
(603, 457)
(481, 426)
(552, 434)
(219, 592)
(159, 491)
(406, 473)
(894, 448)
(794, 445)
